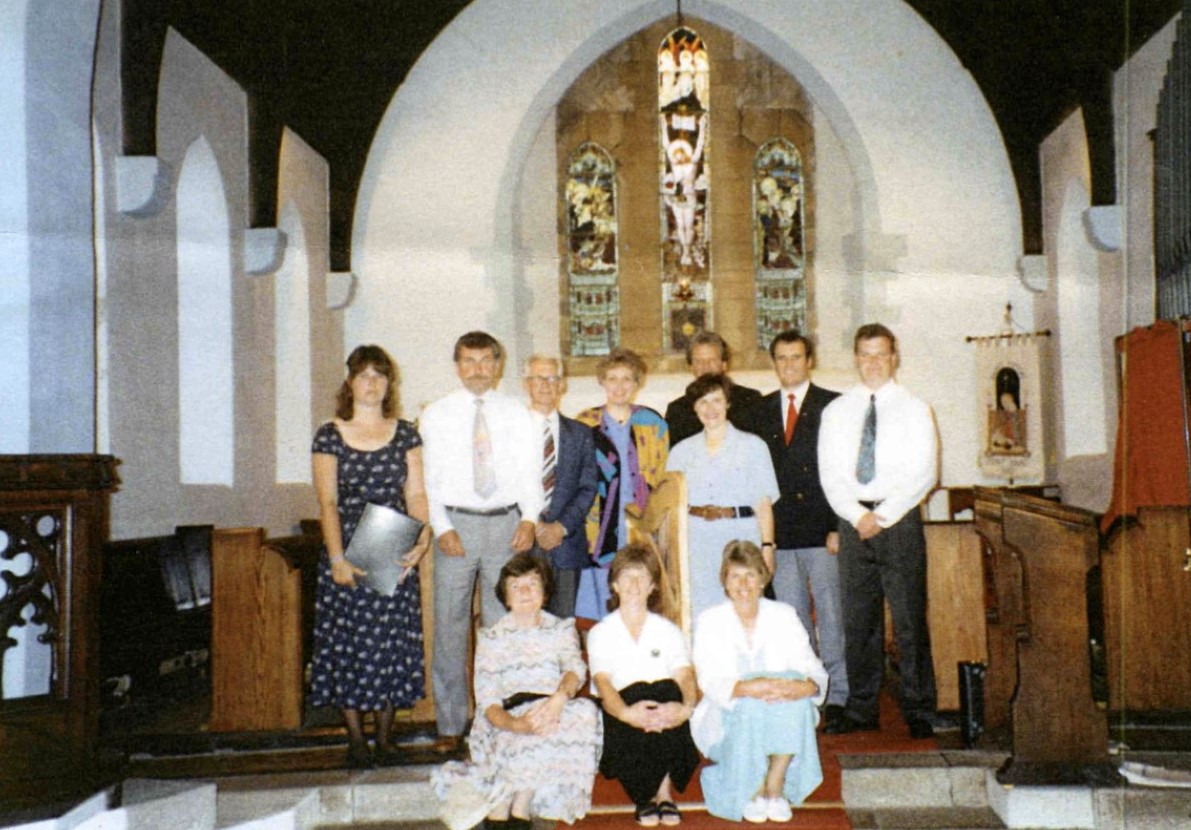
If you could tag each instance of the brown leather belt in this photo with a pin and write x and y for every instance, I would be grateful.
(711, 512)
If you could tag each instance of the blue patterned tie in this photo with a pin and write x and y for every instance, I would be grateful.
(866, 463)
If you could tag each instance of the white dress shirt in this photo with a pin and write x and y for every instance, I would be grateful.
(722, 649)
(446, 428)
(657, 654)
(799, 393)
(906, 453)
(538, 420)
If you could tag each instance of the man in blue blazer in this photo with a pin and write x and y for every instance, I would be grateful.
(568, 477)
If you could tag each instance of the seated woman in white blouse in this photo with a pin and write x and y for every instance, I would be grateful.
(642, 673)
(761, 684)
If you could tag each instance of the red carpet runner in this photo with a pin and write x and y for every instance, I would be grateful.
(824, 810)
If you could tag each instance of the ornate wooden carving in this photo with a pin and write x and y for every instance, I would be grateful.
(54, 510)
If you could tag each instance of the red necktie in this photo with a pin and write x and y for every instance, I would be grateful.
(791, 420)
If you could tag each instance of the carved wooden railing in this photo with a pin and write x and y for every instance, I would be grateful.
(53, 521)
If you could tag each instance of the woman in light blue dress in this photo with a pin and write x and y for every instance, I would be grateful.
(761, 683)
(731, 488)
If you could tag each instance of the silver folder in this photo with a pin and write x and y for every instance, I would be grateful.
(382, 537)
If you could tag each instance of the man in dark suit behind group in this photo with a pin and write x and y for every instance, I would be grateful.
(707, 354)
(804, 523)
(569, 482)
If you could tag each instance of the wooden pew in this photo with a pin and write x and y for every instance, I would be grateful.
(1041, 554)
(1147, 611)
(955, 595)
(256, 633)
(262, 617)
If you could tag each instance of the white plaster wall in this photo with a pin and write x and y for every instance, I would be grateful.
(198, 101)
(1136, 88)
(434, 243)
(303, 187)
(313, 369)
(1081, 307)
(14, 232)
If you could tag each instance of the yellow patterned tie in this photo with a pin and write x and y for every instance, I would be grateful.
(483, 472)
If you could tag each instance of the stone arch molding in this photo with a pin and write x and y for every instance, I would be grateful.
(437, 203)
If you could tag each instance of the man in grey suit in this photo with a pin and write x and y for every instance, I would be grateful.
(485, 491)
(569, 481)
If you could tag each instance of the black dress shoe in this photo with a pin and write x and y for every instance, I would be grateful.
(387, 756)
(921, 728)
(835, 722)
(359, 757)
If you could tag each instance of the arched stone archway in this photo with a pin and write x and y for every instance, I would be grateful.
(931, 186)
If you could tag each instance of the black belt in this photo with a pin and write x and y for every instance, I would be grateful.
(871, 505)
(488, 511)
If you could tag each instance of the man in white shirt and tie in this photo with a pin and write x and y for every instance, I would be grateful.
(483, 478)
(878, 459)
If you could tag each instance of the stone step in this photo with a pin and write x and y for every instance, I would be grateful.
(926, 818)
(959, 789)
(397, 795)
(153, 805)
(917, 780)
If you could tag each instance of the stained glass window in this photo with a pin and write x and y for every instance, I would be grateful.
(779, 252)
(684, 105)
(592, 267)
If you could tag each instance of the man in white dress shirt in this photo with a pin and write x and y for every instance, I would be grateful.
(878, 459)
(483, 478)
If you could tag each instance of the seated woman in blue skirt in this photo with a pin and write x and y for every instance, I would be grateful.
(761, 684)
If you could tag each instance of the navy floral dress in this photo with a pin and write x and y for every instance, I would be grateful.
(367, 646)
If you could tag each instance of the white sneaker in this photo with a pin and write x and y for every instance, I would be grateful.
(778, 809)
(757, 810)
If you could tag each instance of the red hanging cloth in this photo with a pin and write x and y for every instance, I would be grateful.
(1151, 463)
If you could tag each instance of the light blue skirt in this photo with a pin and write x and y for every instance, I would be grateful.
(754, 730)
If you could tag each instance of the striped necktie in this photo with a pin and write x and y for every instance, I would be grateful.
(549, 461)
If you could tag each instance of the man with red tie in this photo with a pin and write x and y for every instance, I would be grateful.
(804, 524)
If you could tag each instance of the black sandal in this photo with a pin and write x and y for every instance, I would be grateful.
(647, 815)
(668, 812)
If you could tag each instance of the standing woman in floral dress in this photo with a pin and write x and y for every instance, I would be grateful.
(367, 646)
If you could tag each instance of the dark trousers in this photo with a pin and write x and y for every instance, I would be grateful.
(566, 586)
(642, 760)
(890, 566)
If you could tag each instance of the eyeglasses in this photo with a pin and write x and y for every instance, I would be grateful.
(543, 378)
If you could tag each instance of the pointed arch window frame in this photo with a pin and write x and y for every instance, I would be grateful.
(592, 255)
(779, 239)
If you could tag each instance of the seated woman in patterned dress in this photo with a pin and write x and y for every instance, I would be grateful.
(534, 745)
